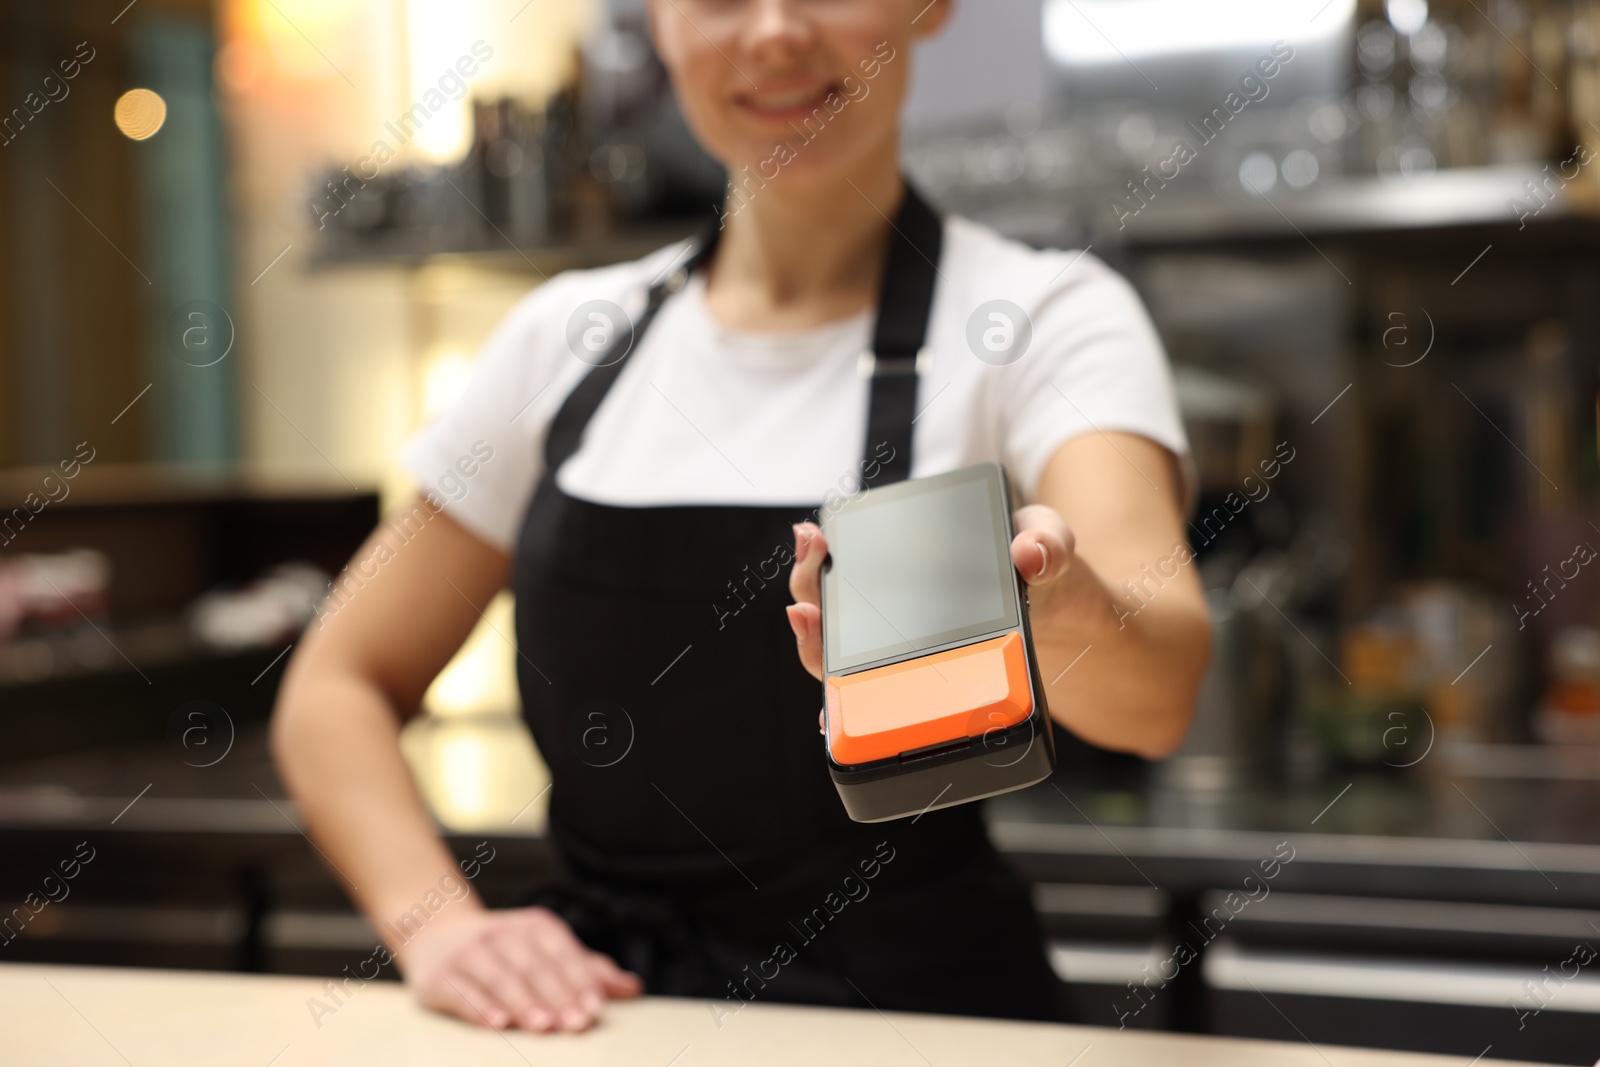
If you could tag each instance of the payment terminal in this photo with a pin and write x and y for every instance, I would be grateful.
(931, 690)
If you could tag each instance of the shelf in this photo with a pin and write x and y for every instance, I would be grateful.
(492, 251)
(1469, 196)
(1461, 197)
(89, 650)
(102, 484)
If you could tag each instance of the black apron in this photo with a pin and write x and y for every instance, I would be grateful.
(703, 844)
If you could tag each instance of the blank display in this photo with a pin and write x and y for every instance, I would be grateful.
(914, 570)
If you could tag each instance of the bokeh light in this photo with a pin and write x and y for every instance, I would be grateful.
(140, 113)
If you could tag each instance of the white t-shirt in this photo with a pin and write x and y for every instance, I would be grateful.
(702, 414)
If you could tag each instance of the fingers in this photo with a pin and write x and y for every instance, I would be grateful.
(475, 988)
(615, 981)
(806, 621)
(513, 999)
(464, 998)
(525, 968)
(805, 577)
(805, 585)
(1043, 548)
(569, 983)
(548, 996)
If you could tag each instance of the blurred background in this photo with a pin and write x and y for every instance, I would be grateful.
(247, 246)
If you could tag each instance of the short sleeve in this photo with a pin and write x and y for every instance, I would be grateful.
(1095, 363)
(479, 458)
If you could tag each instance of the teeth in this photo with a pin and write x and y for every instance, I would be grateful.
(779, 101)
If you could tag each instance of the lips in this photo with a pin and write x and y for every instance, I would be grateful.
(783, 103)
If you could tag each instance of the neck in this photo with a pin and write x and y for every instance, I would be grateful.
(795, 256)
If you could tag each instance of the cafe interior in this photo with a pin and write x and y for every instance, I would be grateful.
(248, 247)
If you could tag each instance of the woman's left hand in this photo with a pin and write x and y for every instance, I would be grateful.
(1043, 551)
(805, 585)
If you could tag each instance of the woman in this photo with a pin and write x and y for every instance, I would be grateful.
(631, 486)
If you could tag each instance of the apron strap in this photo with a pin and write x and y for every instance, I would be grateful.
(905, 297)
(566, 429)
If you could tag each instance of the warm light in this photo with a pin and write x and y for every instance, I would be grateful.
(480, 773)
(482, 677)
(139, 113)
(314, 40)
(463, 765)
(1090, 32)
(238, 66)
(443, 379)
(436, 37)
(465, 686)
(471, 754)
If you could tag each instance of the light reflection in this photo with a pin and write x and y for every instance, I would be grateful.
(443, 379)
(310, 40)
(436, 37)
(1092, 32)
(478, 773)
(482, 676)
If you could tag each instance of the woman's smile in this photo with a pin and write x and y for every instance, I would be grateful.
(781, 102)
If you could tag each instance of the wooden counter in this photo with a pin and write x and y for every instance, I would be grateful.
(88, 1016)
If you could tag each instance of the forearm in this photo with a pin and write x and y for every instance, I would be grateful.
(336, 738)
(1120, 678)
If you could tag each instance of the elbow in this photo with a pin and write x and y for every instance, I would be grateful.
(1169, 725)
(288, 728)
(1163, 740)
(1165, 730)
(284, 727)
(329, 700)
(1155, 733)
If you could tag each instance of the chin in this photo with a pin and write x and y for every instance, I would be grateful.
(796, 166)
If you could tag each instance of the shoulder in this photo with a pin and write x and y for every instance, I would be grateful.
(1066, 305)
(523, 372)
(557, 300)
(1063, 347)
(979, 260)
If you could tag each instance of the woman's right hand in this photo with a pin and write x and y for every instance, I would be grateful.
(515, 967)
(354, 680)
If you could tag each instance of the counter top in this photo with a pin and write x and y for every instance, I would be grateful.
(207, 867)
(98, 1015)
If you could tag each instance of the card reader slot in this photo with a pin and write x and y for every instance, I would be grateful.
(930, 751)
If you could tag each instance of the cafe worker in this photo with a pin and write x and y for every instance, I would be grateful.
(645, 441)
